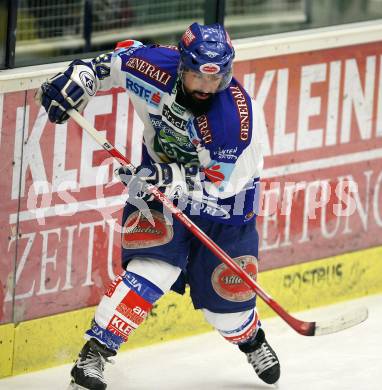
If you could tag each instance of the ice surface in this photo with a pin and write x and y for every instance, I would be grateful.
(350, 360)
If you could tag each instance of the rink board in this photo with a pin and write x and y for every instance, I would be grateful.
(320, 93)
(55, 340)
(321, 129)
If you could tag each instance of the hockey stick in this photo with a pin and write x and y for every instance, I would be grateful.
(305, 328)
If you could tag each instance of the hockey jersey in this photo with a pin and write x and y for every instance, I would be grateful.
(221, 146)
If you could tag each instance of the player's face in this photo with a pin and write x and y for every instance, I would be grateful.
(200, 86)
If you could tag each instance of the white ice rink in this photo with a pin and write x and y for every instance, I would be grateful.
(350, 360)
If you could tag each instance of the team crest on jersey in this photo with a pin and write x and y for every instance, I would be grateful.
(231, 287)
(171, 142)
(139, 232)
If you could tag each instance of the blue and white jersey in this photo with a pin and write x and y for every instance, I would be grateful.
(222, 145)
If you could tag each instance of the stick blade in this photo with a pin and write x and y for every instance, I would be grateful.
(342, 322)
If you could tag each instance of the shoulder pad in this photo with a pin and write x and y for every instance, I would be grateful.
(155, 65)
(128, 43)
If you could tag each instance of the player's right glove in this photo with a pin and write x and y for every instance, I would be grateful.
(71, 89)
(169, 178)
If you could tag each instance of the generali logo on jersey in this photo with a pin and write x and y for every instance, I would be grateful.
(148, 69)
(204, 128)
(242, 109)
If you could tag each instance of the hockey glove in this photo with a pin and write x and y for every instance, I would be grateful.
(71, 89)
(169, 178)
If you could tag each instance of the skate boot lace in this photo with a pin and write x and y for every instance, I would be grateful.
(93, 365)
(261, 359)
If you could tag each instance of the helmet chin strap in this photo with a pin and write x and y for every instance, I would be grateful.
(182, 84)
(224, 81)
(180, 75)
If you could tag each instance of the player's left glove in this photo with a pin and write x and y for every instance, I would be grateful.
(70, 89)
(169, 178)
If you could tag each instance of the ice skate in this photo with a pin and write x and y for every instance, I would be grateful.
(262, 358)
(87, 372)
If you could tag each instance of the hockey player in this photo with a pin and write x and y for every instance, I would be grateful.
(200, 144)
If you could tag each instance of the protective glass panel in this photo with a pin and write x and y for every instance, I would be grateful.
(248, 18)
(3, 32)
(59, 29)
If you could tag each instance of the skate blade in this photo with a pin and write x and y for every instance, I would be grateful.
(74, 386)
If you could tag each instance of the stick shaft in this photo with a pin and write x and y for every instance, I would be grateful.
(302, 327)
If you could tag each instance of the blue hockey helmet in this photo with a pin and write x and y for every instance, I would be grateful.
(208, 50)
